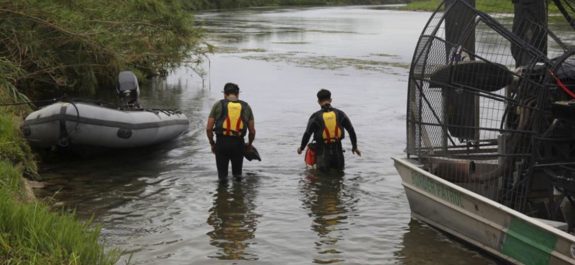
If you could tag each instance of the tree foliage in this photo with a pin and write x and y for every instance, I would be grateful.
(76, 46)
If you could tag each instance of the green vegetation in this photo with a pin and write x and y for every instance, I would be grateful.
(53, 47)
(29, 232)
(423, 5)
(226, 4)
(75, 47)
(489, 6)
(13, 148)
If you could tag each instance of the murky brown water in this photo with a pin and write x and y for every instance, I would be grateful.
(164, 205)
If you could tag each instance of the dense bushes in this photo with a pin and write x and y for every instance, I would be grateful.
(74, 47)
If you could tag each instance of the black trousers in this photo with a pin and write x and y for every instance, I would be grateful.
(229, 148)
(330, 156)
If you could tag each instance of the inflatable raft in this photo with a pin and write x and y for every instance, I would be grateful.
(64, 124)
(78, 124)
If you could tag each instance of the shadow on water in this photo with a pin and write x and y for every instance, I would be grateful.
(424, 245)
(329, 202)
(234, 220)
(104, 182)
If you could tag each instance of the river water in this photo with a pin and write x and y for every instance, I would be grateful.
(164, 206)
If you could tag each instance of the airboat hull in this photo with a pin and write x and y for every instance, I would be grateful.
(65, 124)
(484, 223)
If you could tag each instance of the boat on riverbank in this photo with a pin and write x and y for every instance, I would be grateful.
(89, 125)
(491, 134)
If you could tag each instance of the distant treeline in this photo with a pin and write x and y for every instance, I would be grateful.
(226, 4)
(490, 6)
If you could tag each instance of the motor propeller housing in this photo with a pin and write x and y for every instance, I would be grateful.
(128, 89)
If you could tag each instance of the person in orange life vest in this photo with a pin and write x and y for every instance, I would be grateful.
(327, 127)
(230, 119)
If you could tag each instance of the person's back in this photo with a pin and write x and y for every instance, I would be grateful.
(230, 119)
(327, 126)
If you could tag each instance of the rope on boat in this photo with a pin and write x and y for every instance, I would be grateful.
(561, 85)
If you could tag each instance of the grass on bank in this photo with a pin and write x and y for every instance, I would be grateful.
(13, 147)
(488, 6)
(30, 233)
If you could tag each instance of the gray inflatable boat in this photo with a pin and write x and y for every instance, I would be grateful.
(74, 124)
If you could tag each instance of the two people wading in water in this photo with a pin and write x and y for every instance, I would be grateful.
(231, 119)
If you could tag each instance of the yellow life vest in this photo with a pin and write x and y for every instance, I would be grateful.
(331, 131)
(233, 124)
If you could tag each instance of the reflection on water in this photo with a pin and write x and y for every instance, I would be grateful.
(326, 197)
(159, 92)
(423, 245)
(101, 184)
(233, 220)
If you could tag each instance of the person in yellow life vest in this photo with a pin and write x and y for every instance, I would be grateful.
(327, 127)
(230, 120)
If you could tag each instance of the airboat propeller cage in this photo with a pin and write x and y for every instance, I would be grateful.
(128, 88)
(488, 102)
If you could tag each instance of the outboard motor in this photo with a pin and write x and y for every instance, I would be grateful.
(128, 89)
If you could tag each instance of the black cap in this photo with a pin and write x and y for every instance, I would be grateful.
(231, 88)
(323, 94)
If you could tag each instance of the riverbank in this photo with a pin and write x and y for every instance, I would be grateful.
(74, 48)
(232, 4)
(30, 233)
(489, 6)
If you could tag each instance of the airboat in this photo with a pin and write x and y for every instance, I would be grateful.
(79, 125)
(491, 130)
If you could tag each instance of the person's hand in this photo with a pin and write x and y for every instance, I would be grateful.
(299, 150)
(213, 147)
(356, 151)
(249, 147)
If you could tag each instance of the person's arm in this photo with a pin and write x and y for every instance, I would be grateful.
(307, 134)
(251, 125)
(210, 132)
(210, 125)
(346, 124)
(251, 132)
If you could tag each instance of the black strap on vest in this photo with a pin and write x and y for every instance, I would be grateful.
(319, 119)
(219, 129)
